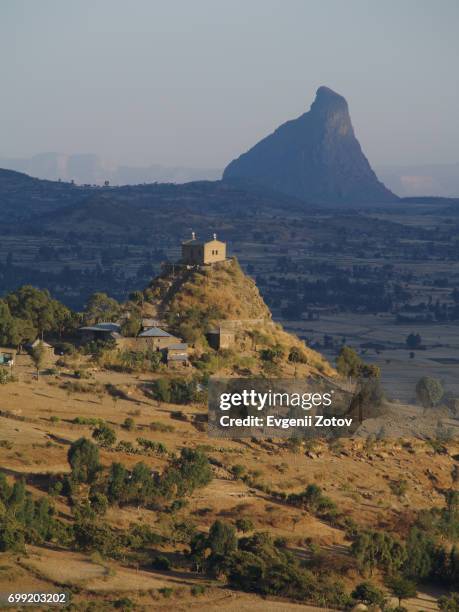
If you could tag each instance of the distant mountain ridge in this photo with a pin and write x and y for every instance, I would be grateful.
(440, 180)
(88, 168)
(315, 157)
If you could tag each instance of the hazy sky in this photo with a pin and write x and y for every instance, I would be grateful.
(196, 82)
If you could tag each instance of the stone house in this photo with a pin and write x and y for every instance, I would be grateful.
(100, 331)
(220, 338)
(177, 354)
(155, 338)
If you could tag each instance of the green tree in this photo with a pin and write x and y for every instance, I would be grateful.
(368, 593)
(11, 535)
(429, 391)
(101, 307)
(312, 497)
(402, 588)
(83, 457)
(348, 363)
(38, 356)
(186, 473)
(222, 538)
(117, 478)
(22, 331)
(17, 498)
(142, 485)
(91, 535)
(6, 323)
(161, 390)
(421, 552)
(374, 549)
(131, 326)
(37, 306)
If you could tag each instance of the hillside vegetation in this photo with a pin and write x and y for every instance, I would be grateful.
(193, 301)
(219, 292)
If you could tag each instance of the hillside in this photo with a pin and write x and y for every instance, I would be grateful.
(372, 484)
(315, 157)
(22, 196)
(194, 301)
(110, 485)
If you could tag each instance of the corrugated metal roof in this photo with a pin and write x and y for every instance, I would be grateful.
(180, 357)
(154, 332)
(107, 327)
(179, 346)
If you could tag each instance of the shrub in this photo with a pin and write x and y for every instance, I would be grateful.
(5, 376)
(273, 354)
(99, 503)
(449, 603)
(157, 426)
(399, 487)
(124, 604)
(296, 355)
(237, 470)
(81, 374)
(129, 424)
(198, 589)
(105, 435)
(244, 525)
(161, 563)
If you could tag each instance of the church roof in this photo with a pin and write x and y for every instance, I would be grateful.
(195, 242)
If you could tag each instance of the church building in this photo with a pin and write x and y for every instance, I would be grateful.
(196, 252)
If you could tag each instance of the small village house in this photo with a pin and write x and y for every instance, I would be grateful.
(177, 354)
(100, 331)
(220, 338)
(155, 338)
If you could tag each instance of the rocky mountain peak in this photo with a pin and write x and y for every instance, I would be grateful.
(315, 157)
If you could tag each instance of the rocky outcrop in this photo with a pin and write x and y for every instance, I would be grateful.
(315, 157)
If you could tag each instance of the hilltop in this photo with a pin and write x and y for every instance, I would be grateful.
(315, 157)
(194, 301)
